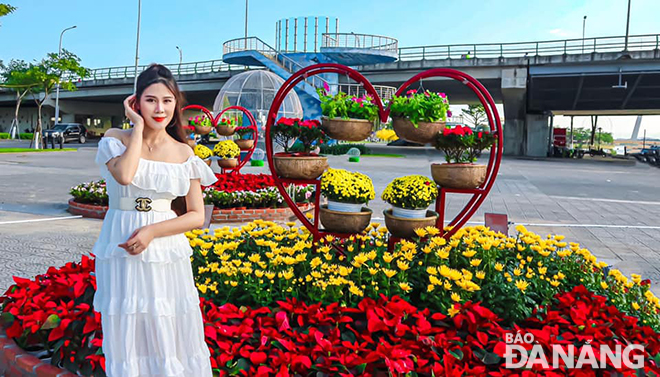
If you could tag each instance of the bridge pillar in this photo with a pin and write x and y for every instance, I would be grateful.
(524, 134)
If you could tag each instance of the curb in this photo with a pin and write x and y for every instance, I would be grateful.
(15, 362)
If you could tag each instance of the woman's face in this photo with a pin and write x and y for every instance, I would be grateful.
(157, 106)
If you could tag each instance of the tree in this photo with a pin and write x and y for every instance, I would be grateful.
(47, 74)
(583, 136)
(476, 114)
(6, 9)
(18, 77)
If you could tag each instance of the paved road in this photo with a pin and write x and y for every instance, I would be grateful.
(610, 208)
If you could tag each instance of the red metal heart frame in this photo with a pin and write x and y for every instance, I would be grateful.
(214, 123)
(478, 194)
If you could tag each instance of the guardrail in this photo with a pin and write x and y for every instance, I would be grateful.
(361, 41)
(125, 72)
(541, 48)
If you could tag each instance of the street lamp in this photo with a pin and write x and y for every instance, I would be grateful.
(246, 18)
(584, 24)
(57, 95)
(180, 59)
(625, 47)
(137, 46)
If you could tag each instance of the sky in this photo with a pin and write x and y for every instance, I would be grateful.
(106, 30)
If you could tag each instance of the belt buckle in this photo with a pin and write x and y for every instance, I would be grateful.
(143, 204)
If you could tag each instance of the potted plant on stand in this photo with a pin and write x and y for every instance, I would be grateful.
(410, 197)
(226, 127)
(347, 193)
(418, 117)
(204, 153)
(347, 117)
(227, 151)
(245, 140)
(461, 146)
(303, 164)
(201, 123)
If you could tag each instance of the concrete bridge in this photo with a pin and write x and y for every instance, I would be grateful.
(611, 75)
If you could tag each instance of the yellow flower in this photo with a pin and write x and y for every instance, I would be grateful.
(499, 267)
(202, 288)
(420, 232)
(603, 285)
(469, 253)
(522, 285)
(387, 257)
(447, 285)
(635, 306)
(405, 287)
(517, 272)
(389, 273)
(403, 266)
(480, 275)
(555, 283)
(356, 291)
(233, 283)
(453, 311)
(475, 262)
(455, 297)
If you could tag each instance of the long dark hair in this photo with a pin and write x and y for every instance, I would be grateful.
(159, 74)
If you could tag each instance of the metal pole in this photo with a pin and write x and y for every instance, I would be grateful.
(584, 25)
(246, 17)
(180, 58)
(572, 132)
(137, 46)
(644, 141)
(57, 95)
(625, 47)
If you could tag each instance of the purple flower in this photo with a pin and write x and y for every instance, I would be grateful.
(449, 113)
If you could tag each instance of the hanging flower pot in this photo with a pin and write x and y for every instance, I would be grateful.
(405, 227)
(345, 222)
(244, 144)
(423, 133)
(228, 163)
(300, 167)
(347, 129)
(226, 127)
(459, 176)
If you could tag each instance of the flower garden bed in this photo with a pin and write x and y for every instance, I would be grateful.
(275, 303)
(236, 197)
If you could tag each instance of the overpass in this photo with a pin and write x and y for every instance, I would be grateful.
(531, 79)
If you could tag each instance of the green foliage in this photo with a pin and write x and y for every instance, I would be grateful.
(4, 135)
(6, 9)
(340, 149)
(583, 136)
(476, 114)
(242, 131)
(308, 133)
(462, 145)
(25, 136)
(341, 105)
(421, 107)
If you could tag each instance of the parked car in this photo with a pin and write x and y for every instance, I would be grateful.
(68, 132)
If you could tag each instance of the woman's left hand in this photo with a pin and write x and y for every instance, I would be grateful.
(138, 241)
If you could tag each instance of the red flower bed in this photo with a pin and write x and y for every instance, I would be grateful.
(243, 182)
(53, 312)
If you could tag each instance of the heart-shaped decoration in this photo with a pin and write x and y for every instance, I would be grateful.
(478, 195)
(215, 121)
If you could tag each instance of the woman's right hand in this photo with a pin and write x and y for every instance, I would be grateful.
(131, 114)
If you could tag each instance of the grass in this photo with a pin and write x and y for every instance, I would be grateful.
(384, 155)
(28, 150)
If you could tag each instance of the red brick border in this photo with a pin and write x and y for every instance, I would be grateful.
(235, 215)
(230, 215)
(15, 362)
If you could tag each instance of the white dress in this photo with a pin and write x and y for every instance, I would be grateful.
(152, 323)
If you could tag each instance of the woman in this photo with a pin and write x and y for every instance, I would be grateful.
(152, 324)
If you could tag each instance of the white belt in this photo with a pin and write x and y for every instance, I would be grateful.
(143, 204)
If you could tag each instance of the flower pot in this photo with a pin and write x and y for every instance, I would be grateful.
(344, 207)
(408, 213)
(244, 144)
(345, 222)
(225, 130)
(300, 167)
(405, 228)
(347, 129)
(424, 133)
(228, 163)
(201, 130)
(459, 176)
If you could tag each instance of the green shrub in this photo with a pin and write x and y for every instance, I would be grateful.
(339, 149)
(26, 136)
(4, 135)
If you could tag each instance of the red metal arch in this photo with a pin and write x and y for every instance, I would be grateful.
(478, 194)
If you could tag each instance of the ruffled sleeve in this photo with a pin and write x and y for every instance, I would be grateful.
(109, 148)
(198, 169)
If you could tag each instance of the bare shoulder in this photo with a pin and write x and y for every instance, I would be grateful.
(116, 133)
(184, 150)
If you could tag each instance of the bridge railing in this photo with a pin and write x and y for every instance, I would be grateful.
(125, 72)
(541, 48)
(361, 41)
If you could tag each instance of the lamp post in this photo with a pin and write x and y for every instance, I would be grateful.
(625, 47)
(584, 25)
(137, 46)
(180, 58)
(246, 18)
(57, 95)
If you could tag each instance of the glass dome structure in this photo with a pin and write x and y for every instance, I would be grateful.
(255, 91)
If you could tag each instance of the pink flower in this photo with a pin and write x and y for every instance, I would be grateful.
(326, 87)
(411, 92)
